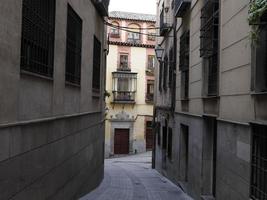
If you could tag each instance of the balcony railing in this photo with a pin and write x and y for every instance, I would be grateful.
(149, 98)
(102, 6)
(114, 35)
(163, 25)
(181, 6)
(123, 97)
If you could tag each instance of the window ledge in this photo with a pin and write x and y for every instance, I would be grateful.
(207, 197)
(211, 97)
(27, 73)
(123, 102)
(67, 83)
(258, 93)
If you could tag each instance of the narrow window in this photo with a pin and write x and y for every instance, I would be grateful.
(96, 65)
(124, 64)
(161, 65)
(165, 71)
(258, 186)
(150, 91)
(74, 47)
(37, 43)
(170, 143)
(209, 44)
(151, 62)
(261, 57)
(184, 64)
(171, 67)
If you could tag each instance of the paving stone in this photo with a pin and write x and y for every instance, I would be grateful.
(131, 178)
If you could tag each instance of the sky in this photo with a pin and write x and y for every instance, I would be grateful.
(137, 6)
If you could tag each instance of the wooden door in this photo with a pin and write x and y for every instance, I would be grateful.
(121, 141)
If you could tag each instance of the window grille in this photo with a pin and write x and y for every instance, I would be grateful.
(74, 47)
(261, 56)
(96, 65)
(134, 37)
(37, 43)
(171, 67)
(165, 75)
(160, 75)
(258, 187)
(170, 143)
(150, 91)
(184, 63)
(209, 43)
(124, 64)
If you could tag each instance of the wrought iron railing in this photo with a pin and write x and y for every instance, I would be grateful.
(124, 96)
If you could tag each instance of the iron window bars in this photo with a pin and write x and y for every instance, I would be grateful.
(74, 47)
(37, 44)
(209, 43)
(96, 65)
(165, 72)
(184, 64)
(160, 75)
(150, 62)
(171, 67)
(258, 187)
(261, 58)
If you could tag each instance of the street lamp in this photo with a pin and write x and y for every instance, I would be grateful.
(159, 53)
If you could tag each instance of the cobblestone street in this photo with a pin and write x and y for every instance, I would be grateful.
(131, 178)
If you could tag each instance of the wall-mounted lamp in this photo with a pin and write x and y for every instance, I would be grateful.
(159, 53)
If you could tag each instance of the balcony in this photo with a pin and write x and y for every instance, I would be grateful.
(124, 86)
(124, 97)
(102, 6)
(163, 25)
(149, 98)
(181, 6)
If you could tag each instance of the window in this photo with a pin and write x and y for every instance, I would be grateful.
(74, 47)
(258, 188)
(134, 36)
(209, 44)
(158, 132)
(37, 43)
(151, 62)
(165, 72)
(150, 91)
(124, 65)
(96, 65)
(170, 143)
(114, 31)
(184, 64)
(171, 67)
(160, 75)
(151, 33)
(124, 86)
(261, 58)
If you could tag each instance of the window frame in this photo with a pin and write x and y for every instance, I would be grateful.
(96, 79)
(74, 35)
(37, 55)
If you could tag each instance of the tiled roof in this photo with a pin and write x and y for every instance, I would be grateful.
(132, 16)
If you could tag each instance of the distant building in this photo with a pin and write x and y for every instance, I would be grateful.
(211, 99)
(130, 83)
(52, 61)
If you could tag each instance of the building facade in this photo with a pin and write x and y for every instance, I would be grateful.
(52, 57)
(130, 83)
(211, 120)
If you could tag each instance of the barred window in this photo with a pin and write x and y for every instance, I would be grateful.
(171, 67)
(258, 189)
(160, 75)
(124, 64)
(184, 64)
(261, 57)
(151, 62)
(37, 44)
(74, 47)
(209, 44)
(165, 72)
(96, 65)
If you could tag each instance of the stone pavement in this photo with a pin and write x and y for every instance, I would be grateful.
(131, 178)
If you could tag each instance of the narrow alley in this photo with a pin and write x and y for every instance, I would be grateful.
(131, 178)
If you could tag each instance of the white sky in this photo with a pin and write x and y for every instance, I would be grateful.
(137, 6)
